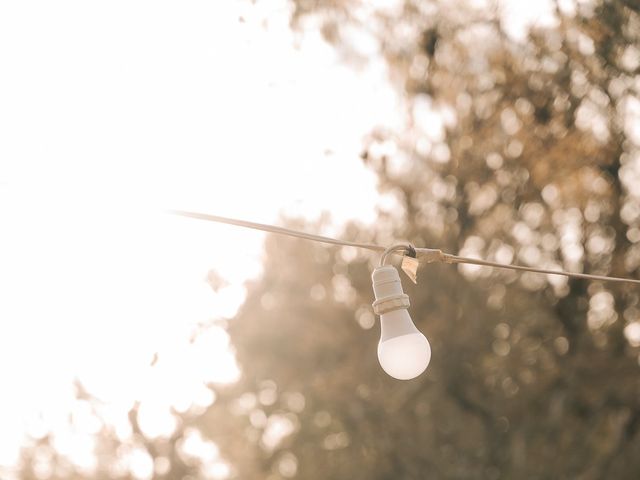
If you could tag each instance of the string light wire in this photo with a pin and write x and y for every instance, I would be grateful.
(428, 255)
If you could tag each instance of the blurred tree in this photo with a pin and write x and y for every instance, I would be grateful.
(513, 150)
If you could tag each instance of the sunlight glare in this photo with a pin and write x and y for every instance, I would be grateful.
(114, 112)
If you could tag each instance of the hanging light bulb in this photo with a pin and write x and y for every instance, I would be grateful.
(403, 352)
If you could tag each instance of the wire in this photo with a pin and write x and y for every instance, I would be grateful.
(448, 258)
(428, 254)
(274, 229)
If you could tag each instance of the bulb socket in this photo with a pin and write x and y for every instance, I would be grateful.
(387, 289)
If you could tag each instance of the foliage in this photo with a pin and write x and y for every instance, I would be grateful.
(513, 150)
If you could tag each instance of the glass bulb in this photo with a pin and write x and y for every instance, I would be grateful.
(403, 352)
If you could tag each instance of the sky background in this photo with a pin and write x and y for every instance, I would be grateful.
(111, 113)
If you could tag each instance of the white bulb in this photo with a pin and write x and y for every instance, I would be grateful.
(403, 352)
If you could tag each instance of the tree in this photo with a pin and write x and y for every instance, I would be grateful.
(513, 150)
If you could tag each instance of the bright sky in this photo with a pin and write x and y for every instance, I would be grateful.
(110, 112)
(113, 111)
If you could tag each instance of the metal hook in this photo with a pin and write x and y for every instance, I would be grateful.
(407, 247)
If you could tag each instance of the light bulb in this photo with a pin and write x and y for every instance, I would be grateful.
(403, 352)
